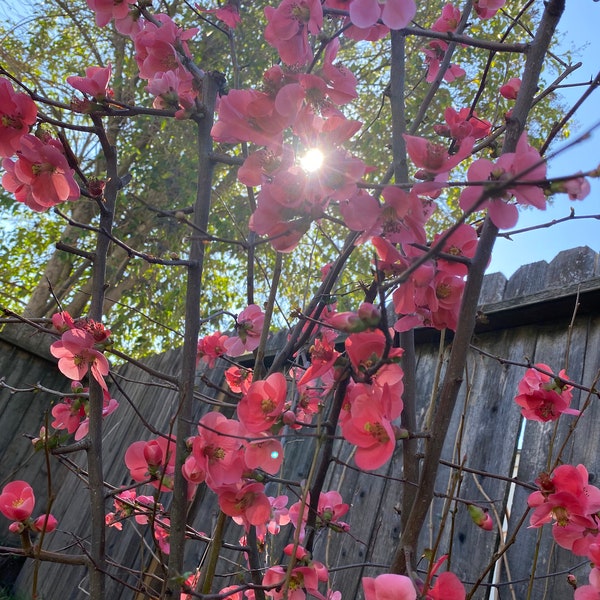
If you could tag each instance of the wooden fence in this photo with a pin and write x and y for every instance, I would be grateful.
(524, 318)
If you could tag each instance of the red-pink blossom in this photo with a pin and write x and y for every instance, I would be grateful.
(486, 9)
(157, 46)
(523, 165)
(246, 503)
(434, 158)
(447, 587)
(511, 88)
(17, 501)
(76, 356)
(263, 403)
(110, 9)
(210, 348)
(95, 82)
(543, 397)
(265, 453)
(18, 114)
(449, 19)
(434, 55)
(154, 460)
(248, 327)
(45, 523)
(395, 14)
(229, 14)
(41, 176)
(288, 27)
(249, 116)
(389, 586)
(218, 449)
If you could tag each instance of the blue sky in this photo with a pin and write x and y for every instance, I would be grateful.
(580, 24)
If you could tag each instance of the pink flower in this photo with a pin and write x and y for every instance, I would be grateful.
(17, 501)
(108, 9)
(434, 54)
(389, 587)
(542, 397)
(94, 84)
(395, 14)
(229, 14)
(367, 427)
(486, 9)
(76, 356)
(210, 348)
(41, 176)
(447, 587)
(462, 124)
(288, 27)
(263, 403)
(265, 453)
(18, 114)
(154, 460)
(577, 187)
(449, 19)
(45, 523)
(509, 166)
(218, 449)
(434, 158)
(511, 88)
(246, 503)
(248, 326)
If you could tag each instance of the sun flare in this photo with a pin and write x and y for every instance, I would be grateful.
(312, 160)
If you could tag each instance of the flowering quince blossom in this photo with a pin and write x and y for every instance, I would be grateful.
(395, 14)
(329, 510)
(155, 46)
(247, 503)
(567, 499)
(17, 501)
(389, 587)
(288, 27)
(304, 578)
(40, 177)
(71, 413)
(434, 55)
(511, 88)
(229, 14)
(210, 348)
(18, 113)
(174, 90)
(94, 84)
(462, 124)
(154, 460)
(263, 404)
(511, 165)
(218, 449)
(106, 10)
(77, 355)
(486, 9)
(449, 19)
(248, 326)
(543, 397)
(434, 158)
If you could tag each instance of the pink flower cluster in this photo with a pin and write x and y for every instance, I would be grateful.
(542, 397)
(17, 502)
(71, 413)
(568, 501)
(77, 350)
(516, 169)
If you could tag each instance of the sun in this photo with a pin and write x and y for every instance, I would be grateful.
(312, 160)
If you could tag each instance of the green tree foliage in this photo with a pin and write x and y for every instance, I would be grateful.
(52, 40)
